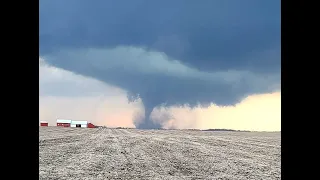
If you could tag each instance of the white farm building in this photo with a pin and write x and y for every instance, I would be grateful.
(82, 124)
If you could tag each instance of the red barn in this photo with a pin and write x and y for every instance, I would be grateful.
(63, 123)
(43, 123)
(90, 125)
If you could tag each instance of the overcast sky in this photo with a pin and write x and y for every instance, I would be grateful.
(172, 64)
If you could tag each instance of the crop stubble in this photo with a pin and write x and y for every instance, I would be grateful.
(82, 153)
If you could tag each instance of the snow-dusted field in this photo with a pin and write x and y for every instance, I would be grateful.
(81, 153)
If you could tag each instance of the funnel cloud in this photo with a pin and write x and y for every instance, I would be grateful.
(167, 53)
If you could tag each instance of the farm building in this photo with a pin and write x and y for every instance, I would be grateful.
(43, 123)
(74, 123)
(90, 125)
(64, 122)
(82, 124)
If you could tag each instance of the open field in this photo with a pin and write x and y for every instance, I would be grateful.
(81, 153)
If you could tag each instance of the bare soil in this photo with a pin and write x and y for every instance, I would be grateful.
(103, 153)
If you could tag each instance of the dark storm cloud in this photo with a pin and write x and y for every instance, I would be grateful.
(173, 52)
